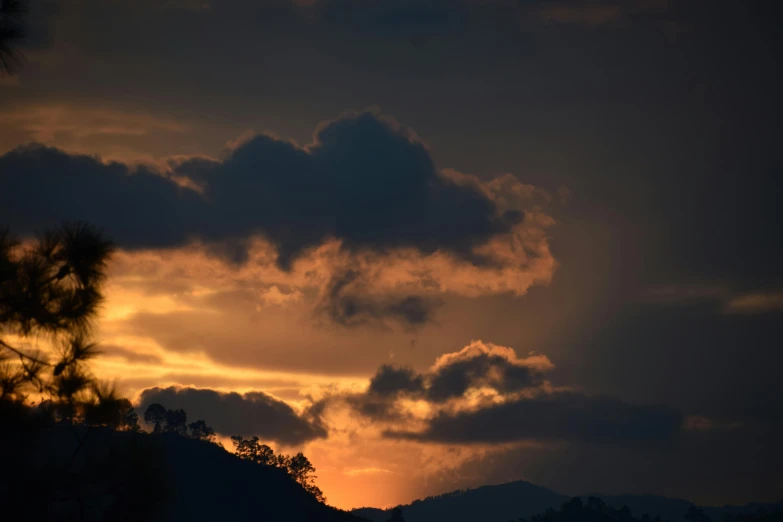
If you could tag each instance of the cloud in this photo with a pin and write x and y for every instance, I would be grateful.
(365, 180)
(732, 303)
(390, 381)
(687, 342)
(252, 413)
(41, 186)
(556, 416)
(755, 303)
(273, 296)
(700, 477)
(486, 394)
(386, 386)
(674, 293)
(361, 213)
(479, 372)
(484, 365)
(700, 423)
(345, 302)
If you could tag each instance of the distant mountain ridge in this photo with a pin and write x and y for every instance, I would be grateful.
(483, 504)
(512, 500)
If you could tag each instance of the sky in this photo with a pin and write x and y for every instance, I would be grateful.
(432, 244)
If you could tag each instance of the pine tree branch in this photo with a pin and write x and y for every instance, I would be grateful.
(23, 355)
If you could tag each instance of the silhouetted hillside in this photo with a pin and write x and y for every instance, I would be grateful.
(212, 484)
(155, 478)
(513, 500)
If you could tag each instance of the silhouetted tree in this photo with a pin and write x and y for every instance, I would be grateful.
(166, 421)
(573, 506)
(396, 515)
(695, 514)
(594, 510)
(254, 451)
(156, 415)
(761, 515)
(596, 505)
(282, 461)
(51, 290)
(199, 430)
(12, 31)
(299, 467)
(107, 409)
(176, 422)
(623, 514)
(129, 420)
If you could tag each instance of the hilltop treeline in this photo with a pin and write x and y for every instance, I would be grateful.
(596, 510)
(175, 422)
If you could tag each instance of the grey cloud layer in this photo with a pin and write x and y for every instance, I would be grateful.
(471, 368)
(365, 181)
(347, 304)
(253, 413)
(557, 416)
(539, 414)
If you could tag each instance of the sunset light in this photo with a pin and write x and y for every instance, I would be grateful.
(391, 260)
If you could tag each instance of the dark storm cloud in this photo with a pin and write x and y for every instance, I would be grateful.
(371, 406)
(41, 186)
(365, 181)
(254, 413)
(735, 358)
(476, 366)
(391, 381)
(487, 369)
(379, 401)
(557, 416)
(529, 411)
(345, 303)
(386, 386)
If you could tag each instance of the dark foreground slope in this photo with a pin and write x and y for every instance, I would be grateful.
(211, 484)
(97, 474)
(510, 501)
